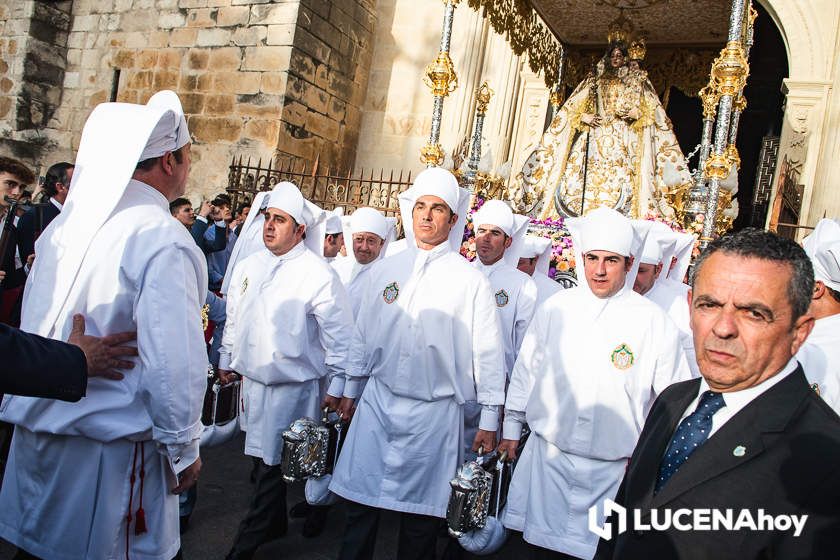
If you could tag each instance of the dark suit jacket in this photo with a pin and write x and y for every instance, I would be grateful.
(34, 366)
(791, 466)
(29, 229)
(219, 241)
(15, 277)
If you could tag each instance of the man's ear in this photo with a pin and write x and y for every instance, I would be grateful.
(628, 264)
(819, 290)
(453, 219)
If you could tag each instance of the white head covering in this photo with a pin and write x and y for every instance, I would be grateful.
(823, 248)
(165, 137)
(498, 213)
(333, 225)
(659, 241)
(604, 229)
(367, 220)
(539, 247)
(288, 198)
(682, 251)
(371, 221)
(122, 131)
(438, 182)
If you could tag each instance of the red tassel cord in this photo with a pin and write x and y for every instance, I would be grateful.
(140, 523)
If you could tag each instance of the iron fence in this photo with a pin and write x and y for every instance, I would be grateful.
(327, 188)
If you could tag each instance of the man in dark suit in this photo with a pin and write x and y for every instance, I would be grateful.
(34, 366)
(14, 178)
(751, 434)
(36, 219)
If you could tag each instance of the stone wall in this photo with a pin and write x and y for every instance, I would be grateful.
(33, 58)
(257, 78)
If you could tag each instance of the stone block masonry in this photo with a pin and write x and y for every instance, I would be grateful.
(258, 78)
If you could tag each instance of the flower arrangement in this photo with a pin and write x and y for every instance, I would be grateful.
(562, 255)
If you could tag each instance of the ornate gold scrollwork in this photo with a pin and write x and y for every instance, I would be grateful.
(431, 154)
(440, 75)
(717, 167)
(729, 70)
(710, 98)
(525, 31)
(482, 98)
(732, 156)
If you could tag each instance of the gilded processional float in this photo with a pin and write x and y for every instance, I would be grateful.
(610, 143)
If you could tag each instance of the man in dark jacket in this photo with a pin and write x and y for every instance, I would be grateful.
(743, 463)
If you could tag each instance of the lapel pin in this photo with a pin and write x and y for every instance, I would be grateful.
(739, 451)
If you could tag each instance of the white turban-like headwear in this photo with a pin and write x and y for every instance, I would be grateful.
(823, 247)
(288, 198)
(497, 213)
(539, 247)
(333, 225)
(368, 220)
(604, 229)
(171, 132)
(438, 182)
(122, 131)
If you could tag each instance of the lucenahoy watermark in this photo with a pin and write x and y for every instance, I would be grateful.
(700, 519)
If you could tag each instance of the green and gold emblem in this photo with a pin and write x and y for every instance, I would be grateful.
(391, 292)
(244, 286)
(622, 357)
(502, 298)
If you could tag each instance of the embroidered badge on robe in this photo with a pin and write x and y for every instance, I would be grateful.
(391, 292)
(244, 286)
(622, 357)
(502, 298)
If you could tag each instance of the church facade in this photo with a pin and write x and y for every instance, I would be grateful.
(341, 82)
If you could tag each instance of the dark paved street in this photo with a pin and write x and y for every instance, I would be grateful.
(224, 493)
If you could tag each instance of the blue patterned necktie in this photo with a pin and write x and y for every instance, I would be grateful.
(692, 432)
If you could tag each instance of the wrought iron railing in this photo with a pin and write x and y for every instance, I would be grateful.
(325, 187)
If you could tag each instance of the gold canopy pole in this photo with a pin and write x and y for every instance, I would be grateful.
(729, 73)
(440, 77)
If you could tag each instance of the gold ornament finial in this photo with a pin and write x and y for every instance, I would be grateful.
(729, 70)
(482, 97)
(637, 49)
(717, 167)
(431, 154)
(440, 75)
(710, 99)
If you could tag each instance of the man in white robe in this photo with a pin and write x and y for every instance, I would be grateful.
(98, 478)
(671, 297)
(820, 355)
(333, 234)
(591, 365)
(499, 235)
(288, 327)
(428, 338)
(367, 230)
(534, 260)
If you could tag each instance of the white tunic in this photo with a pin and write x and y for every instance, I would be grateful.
(515, 298)
(352, 275)
(546, 287)
(672, 298)
(588, 372)
(288, 327)
(820, 359)
(143, 272)
(428, 336)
